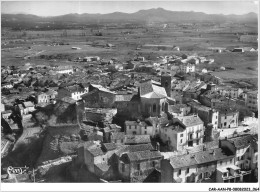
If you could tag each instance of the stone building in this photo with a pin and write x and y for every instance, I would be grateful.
(183, 132)
(98, 97)
(194, 167)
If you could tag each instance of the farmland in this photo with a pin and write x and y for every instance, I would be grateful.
(18, 45)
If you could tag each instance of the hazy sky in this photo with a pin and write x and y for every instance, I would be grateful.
(53, 8)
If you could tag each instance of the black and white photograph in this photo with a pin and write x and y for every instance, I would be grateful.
(129, 92)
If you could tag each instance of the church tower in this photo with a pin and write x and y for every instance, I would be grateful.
(166, 83)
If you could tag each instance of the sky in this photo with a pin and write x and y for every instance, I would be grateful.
(54, 8)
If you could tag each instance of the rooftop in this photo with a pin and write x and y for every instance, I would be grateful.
(242, 141)
(137, 139)
(190, 120)
(141, 155)
(199, 158)
(151, 89)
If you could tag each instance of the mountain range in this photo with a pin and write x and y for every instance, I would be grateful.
(150, 15)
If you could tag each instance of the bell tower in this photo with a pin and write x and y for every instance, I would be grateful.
(166, 83)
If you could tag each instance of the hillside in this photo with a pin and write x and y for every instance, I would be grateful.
(143, 16)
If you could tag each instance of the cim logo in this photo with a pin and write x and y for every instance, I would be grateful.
(17, 170)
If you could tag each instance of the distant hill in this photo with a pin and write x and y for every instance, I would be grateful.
(150, 15)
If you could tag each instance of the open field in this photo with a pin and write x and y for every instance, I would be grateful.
(194, 40)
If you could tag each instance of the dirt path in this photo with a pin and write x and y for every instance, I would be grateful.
(27, 136)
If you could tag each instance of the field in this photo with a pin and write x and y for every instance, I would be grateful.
(194, 40)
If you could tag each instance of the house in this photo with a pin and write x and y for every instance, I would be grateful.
(251, 100)
(106, 62)
(138, 128)
(136, 166)
(204, 70)
(194, 167)
(183, 132)
(187, 68)
(91, 58)
(243, 148)
(26, 107)
(206, 114)
(228, 118)
(6, 114)
(96, 158)
(239, 50)
(249, 49)
(229, 91)
(42, 98)
(136, 139)
(117, 137)
(73, 91)
(96, 135)
(98, 97)
(179, 110)
(66, 69)
(175, 48)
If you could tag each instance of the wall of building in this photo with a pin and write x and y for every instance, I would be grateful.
(252, 101)
(228, 120)
(89, 161)
(166, 171)
(184, 174)
(99, 99)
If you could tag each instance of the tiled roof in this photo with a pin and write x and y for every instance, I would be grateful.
(134, 148)
(68, 100)
(123, 97)
(118, 135)
(96, 151)
(137, 139)
(101, 88)
(190, 120)
(143, 155)
(149, 89)
(176, 108)
(28, 104)
(199, 158)
(242, 141)
(74, 88)
(109, 146)
(103, 167)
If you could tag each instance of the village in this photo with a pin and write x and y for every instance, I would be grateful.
(129, 92)
(168, 121)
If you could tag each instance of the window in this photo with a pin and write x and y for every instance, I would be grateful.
(181, 141)
(230, 160)
(129, 127)
(138, 166)
(153, 163)
(220, 162)
(242, 158)
(145, 127)
(198, 142)
(225, 124)
(188, 170)
(145, 132)
(225, 117)
(136, 127)
(179, 172)
(182, 135)
(154, 108)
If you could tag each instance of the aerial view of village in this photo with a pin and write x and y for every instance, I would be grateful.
(129, 92)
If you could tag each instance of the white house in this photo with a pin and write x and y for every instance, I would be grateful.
(138, 128)
(187, 68)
